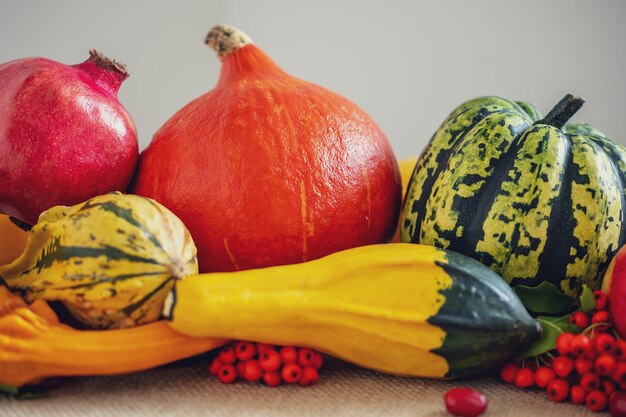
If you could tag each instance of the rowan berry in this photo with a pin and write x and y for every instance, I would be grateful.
(596, 400)
(227, 373)
(309, 376)
(525, 378)
(245, 351)
(252, 372)
(577, 394)
(227, 355)
(262, 347)
(605, 364)
(215, 366)
(543, 376)
(604, 343)
(305, 357)
(558, 390)
(579, 319)
(318, 360)
(581, 345)
(291, 373)
(289, 354)
(601, 316)
(601, 300)
(564, 343)
(563, 366)
(583, 365)
(270, 360)
(590, 381)
(272, 379)
(508, 372)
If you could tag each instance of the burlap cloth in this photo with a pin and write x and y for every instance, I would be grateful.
(186, 389)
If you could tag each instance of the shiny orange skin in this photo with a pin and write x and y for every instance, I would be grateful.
(267, 169)
(12, 240)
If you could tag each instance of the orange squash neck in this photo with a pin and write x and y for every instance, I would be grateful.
(245, 61)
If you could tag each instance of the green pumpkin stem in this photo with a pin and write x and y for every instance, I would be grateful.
(563, 111)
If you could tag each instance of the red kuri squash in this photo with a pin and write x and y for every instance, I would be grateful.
(267, 169)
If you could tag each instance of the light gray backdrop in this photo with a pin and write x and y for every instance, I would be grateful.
(407, 63)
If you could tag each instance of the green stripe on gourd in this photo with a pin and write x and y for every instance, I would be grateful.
(530, 198)
(111, 260)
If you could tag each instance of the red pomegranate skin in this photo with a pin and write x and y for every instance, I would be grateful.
(267, 169)
(64, 136)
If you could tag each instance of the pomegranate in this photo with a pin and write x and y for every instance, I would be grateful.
(64, 136)
(267, 169)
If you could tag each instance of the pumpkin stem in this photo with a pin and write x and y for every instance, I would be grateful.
(225, 39)
(563, 111)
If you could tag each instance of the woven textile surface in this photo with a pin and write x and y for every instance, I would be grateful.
(186, 389)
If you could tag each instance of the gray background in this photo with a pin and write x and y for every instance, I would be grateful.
(408, 64)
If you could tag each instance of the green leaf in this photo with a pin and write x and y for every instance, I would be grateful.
(8, 390)
(545, 298)
(587, 303)
(552, 328)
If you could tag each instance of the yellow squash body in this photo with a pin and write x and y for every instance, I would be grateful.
(381, 307)
(34, 345)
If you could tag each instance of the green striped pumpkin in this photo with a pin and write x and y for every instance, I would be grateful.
(534, 199)
(111, 260)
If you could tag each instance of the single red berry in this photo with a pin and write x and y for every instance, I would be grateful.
(270, 360)
(604, 343)
(525, 378)
(580, 344)
(596, 400)
(564, 343)
(227, 355)
(262, 347)
(563, 366)
(309, 376)
(577, 394)
(605, 364)
(601, 300)
(590, 381)
(318, 360)
(608, 386)
(579, 319)
(291, 373)
(619, 374)
(305, 357)
(617, 404)
(583, 365)
(619, 350)
(215, 366)
(245, 350)
(272, 379)
(543, 376)
(241, 369)
(558, 389)
(252, 372)
(508, 372)
(601, 316)
(465, 402)
(227, 373)
(289, 354)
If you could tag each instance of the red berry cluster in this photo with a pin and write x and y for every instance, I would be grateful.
(259, 361)
(588, 367)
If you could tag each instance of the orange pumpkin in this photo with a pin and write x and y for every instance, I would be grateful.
(12, 240)
(267, 169)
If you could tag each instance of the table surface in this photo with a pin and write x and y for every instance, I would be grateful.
(186, 389)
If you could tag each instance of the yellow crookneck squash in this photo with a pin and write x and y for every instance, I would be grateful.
(399, 308)
(34, 345)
